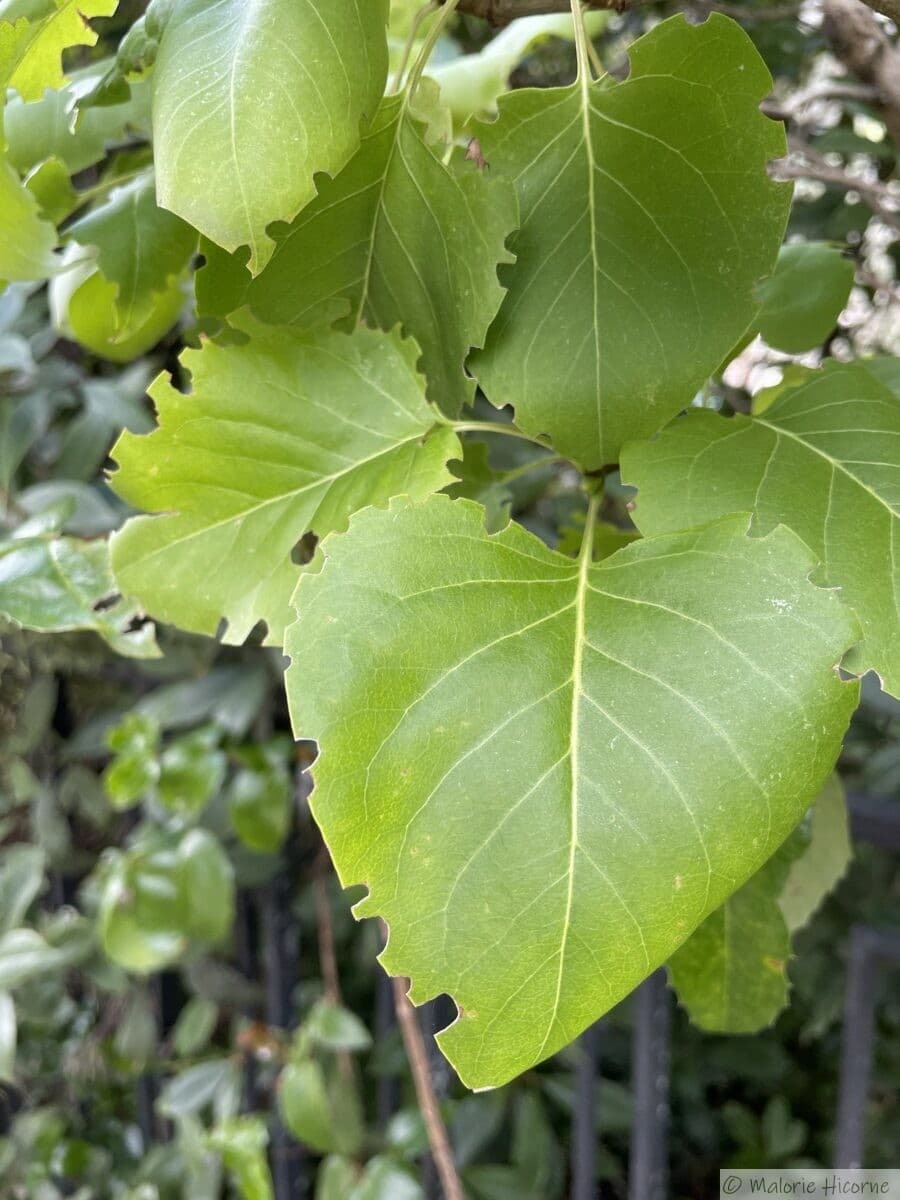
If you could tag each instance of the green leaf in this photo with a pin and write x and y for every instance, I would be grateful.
(242, 1143)
(402, 239)
(642, 236)
(336, 1028)
(207, 886)
(52, 127)
(134, 771)
(194, 1026)
(192, 1090)
(250, 101)
(53, 27)
(287, 433)
(142, 916)
(7, 1038)
(259, 806)
(25, 955)
(660, 729)
(84, 307)
(140, 247)
(304, 1105)
(136, 1034)
(385, 1179)
(731, 973)
(804, 297)
(823, 862)
(21, 879)
(57, 584)
(192, 772)
(26, 240)
(823, 459)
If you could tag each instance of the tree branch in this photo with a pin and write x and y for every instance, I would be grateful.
(428, 1103)
(858, 39)
(501, 12)
(806, 163)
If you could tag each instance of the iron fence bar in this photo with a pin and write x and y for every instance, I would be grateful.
(280, 954)
(868, 948)
(247, 955)
(874, 819)
(387, 1093)
(648, 1154)
(584, 1117)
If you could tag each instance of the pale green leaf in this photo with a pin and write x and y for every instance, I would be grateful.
(47, 128)
(250, 101)
(804, 296)
(402, 239)
(194, 1026)
(21, 875)
(25, 955)
(731, 973)
(643, 233)
(53, 26)
(824, 459)
(824, 860)
(259, 806)
(287, 433)
(206, 885)
(8, 1029)
(26, 239)
(543, 845)
(56, 584)
(242, 1143)
(140, 247)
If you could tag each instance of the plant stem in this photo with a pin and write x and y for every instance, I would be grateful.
(438, 1140)
(494, 427)
(446, 12)
(586, 554)
(414, 27)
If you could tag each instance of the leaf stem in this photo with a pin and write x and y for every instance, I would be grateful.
(582, 51)
(586, 554)
(446, 12)
(414, 27)
(438, 1140)
(494, 427)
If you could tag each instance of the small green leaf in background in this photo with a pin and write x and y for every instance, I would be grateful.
(384, 1179)
(242, 1143)
(304, 1105)
(136, 1034)
(731, 973)
(814, 460)
(25, 955)
(822, 864)
(803, 298)
(134, 771)
(336, 1028)
(336, 1179)
(7, 1038)
(142, 918)
(241, 125)
(21, 879)
(194, 1026)
(260, 799)
(191, 1090)
(207, 886)
(192, 771)
(55, 584)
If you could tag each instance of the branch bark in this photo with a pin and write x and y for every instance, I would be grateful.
(438, 1140)
(806, 163)
(501, 12)
(858, 39)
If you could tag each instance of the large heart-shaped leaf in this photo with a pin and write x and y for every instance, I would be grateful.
(824, 459)
(402, 239)
(251, 100)
(288, 433)
(547, 772)
(647, 217)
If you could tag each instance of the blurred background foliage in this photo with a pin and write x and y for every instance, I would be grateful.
(184, 997)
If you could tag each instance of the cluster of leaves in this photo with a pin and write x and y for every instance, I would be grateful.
(604, 714)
